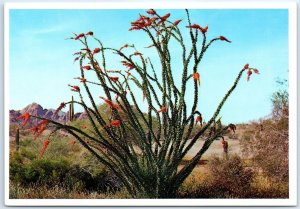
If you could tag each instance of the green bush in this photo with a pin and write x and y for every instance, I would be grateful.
(49, 173)
(42, 171)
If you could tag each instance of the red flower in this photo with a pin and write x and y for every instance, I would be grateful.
(141, 23)
(128, 65)
(164, 18)
(61, 106)
(41, 128)
(249, 73)
(72, 142)
(246, 67)
(232, 127)
(196, 77)
(255, 71)
(163, 109)
(79, 36)
(113, 123)
(137, 54)
(125, 46)
(24, 116)
(87, 67)
(194, 26)
(114, 79)
(177, 22)
(35, 130)
(151, 12)
(90, 33)
(45, 145)
(204, 30)
(83, 80)
(96, 50)
(110, 103)
(222, 38)
(75, 88)
(199, 119)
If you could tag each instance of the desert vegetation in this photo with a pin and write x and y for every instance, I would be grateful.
(123, 151)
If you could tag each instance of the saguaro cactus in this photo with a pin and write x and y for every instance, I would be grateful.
(146, 149)
(71, 109)
(17, 139)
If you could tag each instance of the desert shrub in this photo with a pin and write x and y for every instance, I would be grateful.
(228, 177)
(266, 142)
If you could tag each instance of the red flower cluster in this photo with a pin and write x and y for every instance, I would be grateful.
(90, 33)
(222, 38)
(249, 72)
(196, 77)
(137, 54)
(177, 22)
(199, 120)
(61, 106)
(39, 128)
(128, 65)
(142, 22)
(96, 50)
(125, 46)
(114, 79)
(164, 18)
(113, 123)
(163, 109)
(151, 12)
(79, 36)
(24, 116)
(45, 145)
(198, 27)
(87, 67)
(75, 88)
(110, 103)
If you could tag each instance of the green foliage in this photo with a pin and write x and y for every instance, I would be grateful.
(61, 166)
(42, 171)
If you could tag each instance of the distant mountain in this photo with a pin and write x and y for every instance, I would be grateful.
(38, 110)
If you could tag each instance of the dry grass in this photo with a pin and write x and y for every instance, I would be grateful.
(59, 192)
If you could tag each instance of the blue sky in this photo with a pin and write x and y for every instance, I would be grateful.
(41, 61)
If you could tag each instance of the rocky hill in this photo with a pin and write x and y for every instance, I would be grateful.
(38, 110)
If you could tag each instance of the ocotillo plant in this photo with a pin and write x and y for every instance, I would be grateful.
(146, 149)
